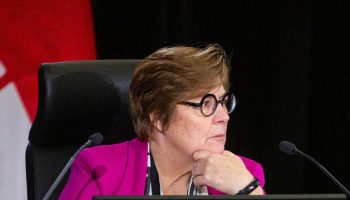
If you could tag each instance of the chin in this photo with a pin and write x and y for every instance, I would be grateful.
(219, 150)
(215, 148)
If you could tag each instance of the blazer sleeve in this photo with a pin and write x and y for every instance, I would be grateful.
(255, 169)
(81, 183)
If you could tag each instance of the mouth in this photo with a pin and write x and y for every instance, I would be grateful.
(219, 137)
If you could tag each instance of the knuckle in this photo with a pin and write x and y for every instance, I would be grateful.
(206, 178)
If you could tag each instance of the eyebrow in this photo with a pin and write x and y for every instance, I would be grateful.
(218, 98)
(223, 94)
(209, 92)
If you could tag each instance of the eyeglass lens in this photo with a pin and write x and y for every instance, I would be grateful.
(209, 104)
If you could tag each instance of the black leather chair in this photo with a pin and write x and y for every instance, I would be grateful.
(76, 99)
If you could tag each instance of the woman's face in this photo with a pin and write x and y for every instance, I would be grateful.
(190, 131)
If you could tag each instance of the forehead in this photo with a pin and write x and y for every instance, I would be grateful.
(217, 91)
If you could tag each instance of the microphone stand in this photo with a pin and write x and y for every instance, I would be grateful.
(290, 148)
(65, 169)
(325, 171)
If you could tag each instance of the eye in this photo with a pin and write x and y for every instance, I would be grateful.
(209, 102)
(206, 103)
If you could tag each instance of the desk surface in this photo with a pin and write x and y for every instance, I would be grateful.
(242, 197)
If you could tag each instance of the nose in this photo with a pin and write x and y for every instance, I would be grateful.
(220, 115)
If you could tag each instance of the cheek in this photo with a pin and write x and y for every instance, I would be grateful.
(198, 132)
(197, 126)
(193, 132)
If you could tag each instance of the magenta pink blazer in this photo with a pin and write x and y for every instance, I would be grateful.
(119, 169)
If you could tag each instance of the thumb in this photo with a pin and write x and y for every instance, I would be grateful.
(228, 153)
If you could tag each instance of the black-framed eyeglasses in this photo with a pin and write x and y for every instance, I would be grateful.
(209, 103)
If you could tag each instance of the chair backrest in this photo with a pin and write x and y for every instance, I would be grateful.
(76, 99)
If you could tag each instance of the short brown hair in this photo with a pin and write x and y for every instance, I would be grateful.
(170, 75)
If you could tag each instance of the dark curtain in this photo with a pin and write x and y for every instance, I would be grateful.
(290, 72)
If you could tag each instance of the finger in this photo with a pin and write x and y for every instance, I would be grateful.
(200, 181)
(228, 153)
(200, 155)
(199, 168)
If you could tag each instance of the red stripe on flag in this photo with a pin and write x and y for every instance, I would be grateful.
(34, 32)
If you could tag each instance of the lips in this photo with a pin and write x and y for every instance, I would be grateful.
(219, 136)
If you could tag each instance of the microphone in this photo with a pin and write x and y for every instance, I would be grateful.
(290, 148)
(94, 140)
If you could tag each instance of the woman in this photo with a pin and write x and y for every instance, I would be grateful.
(180, 106)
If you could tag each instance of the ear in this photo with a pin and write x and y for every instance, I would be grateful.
(156, 123)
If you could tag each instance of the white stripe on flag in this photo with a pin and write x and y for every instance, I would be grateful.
(14, 128)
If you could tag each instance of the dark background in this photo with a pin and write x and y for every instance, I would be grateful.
(289, 71)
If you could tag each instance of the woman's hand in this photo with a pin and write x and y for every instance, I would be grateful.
(225, 172)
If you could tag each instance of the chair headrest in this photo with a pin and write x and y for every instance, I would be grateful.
(79, 98)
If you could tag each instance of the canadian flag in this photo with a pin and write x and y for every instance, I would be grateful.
(33, 32)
